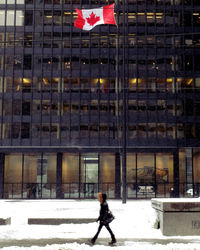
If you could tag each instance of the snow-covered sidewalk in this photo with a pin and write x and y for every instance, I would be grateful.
(133, 226)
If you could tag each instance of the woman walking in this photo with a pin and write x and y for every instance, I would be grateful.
(103, 218)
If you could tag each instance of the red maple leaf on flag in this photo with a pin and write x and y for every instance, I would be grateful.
(93, 19)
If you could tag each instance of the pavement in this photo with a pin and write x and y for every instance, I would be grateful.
(100, 241)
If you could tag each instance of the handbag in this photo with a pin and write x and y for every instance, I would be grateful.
(108, 218)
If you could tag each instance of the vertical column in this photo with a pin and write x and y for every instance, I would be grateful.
(59, 193)
(189, 170)
(189, 167)
(124, 96)
(2, 160)
(117, 176)
(176, 173)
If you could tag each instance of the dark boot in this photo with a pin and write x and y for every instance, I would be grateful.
(111, 234)
(92, 241)
(113, 241)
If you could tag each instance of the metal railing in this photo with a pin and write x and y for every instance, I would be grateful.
(90, 190)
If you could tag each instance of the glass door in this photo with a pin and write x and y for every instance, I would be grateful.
(89, 175)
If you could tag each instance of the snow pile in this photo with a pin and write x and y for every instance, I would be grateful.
(133, 245)
(133, 227)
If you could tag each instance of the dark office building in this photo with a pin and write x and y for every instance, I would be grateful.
(115, 109)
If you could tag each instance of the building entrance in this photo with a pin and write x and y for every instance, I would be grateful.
(90, 174)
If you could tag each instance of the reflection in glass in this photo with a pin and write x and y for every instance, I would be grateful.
(164, 172)
(13, 176)
(107, 174)
(196, 171)
(146, 175)
(70, 175)
(131, 175)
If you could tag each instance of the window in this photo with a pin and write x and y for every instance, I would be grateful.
(26, 108)
(27, 62)
(2, 17)
(13, 176)
(25, 130)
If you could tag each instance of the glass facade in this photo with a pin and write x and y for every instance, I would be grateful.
(30, 176)
(74, 104)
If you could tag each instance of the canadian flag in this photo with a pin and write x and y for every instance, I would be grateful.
(88, 19)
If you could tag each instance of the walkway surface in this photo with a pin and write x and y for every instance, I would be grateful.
(101, 241)
(48, 222)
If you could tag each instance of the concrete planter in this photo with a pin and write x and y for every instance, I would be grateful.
(178, 216)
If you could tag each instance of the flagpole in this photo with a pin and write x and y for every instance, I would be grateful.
(117, 91)
(122, 87)
(124, 142)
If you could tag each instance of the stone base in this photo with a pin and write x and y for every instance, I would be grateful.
(177, 216)
(58, 221)
(6, 221)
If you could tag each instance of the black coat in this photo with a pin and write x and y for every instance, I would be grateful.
(103, 211)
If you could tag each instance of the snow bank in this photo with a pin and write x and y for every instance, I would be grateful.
(133, 227)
